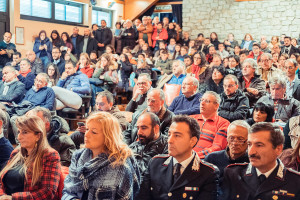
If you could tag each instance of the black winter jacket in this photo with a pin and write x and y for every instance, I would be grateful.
(103, 36)
(143, 153)
(60, 141)
(234, 108)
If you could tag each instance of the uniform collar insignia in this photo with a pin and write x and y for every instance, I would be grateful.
(167, 162)
(280, 170)
(196, 163)
(249, 168)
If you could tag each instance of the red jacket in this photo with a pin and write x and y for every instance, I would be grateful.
(47, 188)
(162, 36)
(251, 55)
(87, 70)
(213, 135)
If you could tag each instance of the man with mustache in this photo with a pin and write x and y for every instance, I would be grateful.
(265, 177)
(181, 174)
(150, 141)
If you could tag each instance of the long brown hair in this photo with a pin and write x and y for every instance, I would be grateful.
(34, 159)
(113, 142)
(295, 153)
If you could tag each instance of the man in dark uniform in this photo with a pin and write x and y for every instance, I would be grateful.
(181, 174)
(265, 177)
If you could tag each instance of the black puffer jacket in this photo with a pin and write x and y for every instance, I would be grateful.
(234, 108)
(60, 141)
(143, 153)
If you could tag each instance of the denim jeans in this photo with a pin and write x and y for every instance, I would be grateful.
(45, 61)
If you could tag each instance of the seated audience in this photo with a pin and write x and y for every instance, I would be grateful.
(150, 141)
(42, 48)
(247, 42)
(267, 70)
(84, 65)
(262, 112)
(16, 61)
(11, 89)
(288, 48)
(198, 69)
(222, 52)
(58, 60)
(213, 127)
(292, 82)
(187, 103)
(53, 73)
(215, 83)
(163, 63)
(33, 170)
(290, 157)
(25, 75)
(104, 103)
(206, 47)
(188, 61)
(211, 52)
(265, 174)
(256, 52)
(234, 103)
(106, 164)
(250, 83)
(285, 107)
(183, 52)
(177, 76)
(236, 151)
(7, 49)
(36, 63)
(264, 47)
(155, 104)
(70, 87)
(233, 65)
(57, 130)
(138, 101)
(171, 176)
(243, 55)
(5, 146)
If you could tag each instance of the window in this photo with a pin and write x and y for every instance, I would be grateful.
(69, 13)
(41, 10)
(3, 5)
(36, 8)
(99, 14)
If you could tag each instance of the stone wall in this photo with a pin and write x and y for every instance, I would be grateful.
(265, 17)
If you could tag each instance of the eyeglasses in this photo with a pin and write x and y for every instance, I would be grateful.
(206, 101)
(289, 67)
(229, 86)
(267, 60)
(141, 83)
(100, 103)
(238, 140)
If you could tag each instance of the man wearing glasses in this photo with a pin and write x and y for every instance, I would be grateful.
(212, 126)
(250, 83)
(236, 151)
(292, 82)
(138, 101)
(266, 70)
(234, 103)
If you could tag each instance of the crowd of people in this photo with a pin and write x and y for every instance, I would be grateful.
(210, 119)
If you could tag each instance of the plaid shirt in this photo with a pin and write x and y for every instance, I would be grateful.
(47, 187)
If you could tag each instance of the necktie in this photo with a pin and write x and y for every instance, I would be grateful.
(177, 171)
(262, 178)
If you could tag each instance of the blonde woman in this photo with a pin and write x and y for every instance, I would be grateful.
(105, 168)
(33, 171)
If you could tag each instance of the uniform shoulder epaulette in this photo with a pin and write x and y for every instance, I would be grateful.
(293, 171)
(212, 166)
(238, 164)
(161, 156)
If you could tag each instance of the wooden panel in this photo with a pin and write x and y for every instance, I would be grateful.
(135, 8)
(169, 3)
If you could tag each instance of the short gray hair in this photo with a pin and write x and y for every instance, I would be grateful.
(293, 61)
(160, 91)
(268, 55)
(250, 61)
(233, 77)
(217, 96)
(180, 63)
(26, 60)
(44, 75)
(11, 68)
(240, 123)
(277, 80)
(147, 76)
(46, 113)
(195, 81)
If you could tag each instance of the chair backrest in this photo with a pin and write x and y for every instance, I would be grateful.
(171, 91)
